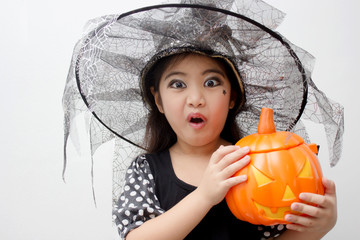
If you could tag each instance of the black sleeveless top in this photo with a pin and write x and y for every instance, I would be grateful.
(219, 223)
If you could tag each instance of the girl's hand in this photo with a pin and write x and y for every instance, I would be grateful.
(321, 218)
(218, 176)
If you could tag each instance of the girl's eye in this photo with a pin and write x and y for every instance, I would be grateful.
(177, 84)
(211, 83)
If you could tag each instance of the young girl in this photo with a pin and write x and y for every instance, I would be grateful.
(203, 74)
(178, 190)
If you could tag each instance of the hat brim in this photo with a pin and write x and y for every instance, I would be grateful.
(110, 63)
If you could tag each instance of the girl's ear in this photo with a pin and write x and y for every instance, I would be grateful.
(157, 99)
(232, 104)
(232, 99)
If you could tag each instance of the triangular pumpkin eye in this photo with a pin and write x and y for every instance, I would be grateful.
(306, 171)
(261, 179)
(288, 194)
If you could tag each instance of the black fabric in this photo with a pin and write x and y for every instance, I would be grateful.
(219, 223)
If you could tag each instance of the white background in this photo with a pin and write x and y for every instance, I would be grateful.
(36, 43)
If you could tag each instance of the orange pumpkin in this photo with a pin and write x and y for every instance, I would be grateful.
(282, 166)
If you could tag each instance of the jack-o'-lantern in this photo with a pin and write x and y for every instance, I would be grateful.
(282, 166)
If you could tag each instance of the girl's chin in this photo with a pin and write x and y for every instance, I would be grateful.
(203, 141)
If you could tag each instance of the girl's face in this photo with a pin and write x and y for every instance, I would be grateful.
(195, 96)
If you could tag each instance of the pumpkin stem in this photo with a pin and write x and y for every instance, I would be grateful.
(266, 121)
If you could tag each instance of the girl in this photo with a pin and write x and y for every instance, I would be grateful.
(186, 181)
(205, 73)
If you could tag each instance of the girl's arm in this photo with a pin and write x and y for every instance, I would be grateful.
(319, 220)
(181, 219)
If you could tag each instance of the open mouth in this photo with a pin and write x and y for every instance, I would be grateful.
(196, 120)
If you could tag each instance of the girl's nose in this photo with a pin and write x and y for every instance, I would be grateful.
(196, 98)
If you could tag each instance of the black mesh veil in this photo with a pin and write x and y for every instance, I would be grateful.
(105, 73)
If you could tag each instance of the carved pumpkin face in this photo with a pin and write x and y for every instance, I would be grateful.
(282, 166)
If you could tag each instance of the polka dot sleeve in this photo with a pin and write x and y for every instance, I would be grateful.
(138, 202)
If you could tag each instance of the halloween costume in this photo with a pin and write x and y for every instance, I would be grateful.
(151, 178)
(107, 75)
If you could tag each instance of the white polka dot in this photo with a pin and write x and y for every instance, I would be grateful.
(152, 216)
(133, 193)
(125, 222)
(150, 176)
(143, 193)
(280, 227)
(139, 199)
(267, 234)
(150, 210)
(141, 212)
(129, 171)
(127, 213)
(138, 223)
(137, 187)
(276, 235)
(127, 188)
(132, 180)
(139, 178)
(131, 205)
(122, 198)
(145, 205)
(120, 226)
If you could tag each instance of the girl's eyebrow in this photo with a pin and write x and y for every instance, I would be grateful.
(211, 70)
(174, 73)
(214, 71)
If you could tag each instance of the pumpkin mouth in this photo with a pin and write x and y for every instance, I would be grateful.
(273, 212)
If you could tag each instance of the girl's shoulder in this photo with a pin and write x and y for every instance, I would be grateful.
(150, 164)
(138, 165)
(151, 157)
(156, 161)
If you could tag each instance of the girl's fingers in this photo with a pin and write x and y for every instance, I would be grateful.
(329, 186)
(309, 210)
(221, 152)
(295, 227)
(236, 166)
(318, 212)
(232, 157)
(323, 201)
(313, 198)
(230, 182)
(296, 220)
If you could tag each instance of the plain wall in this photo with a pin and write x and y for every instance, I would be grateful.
(36, 43)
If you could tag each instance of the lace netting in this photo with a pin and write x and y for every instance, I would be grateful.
(105, 71)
